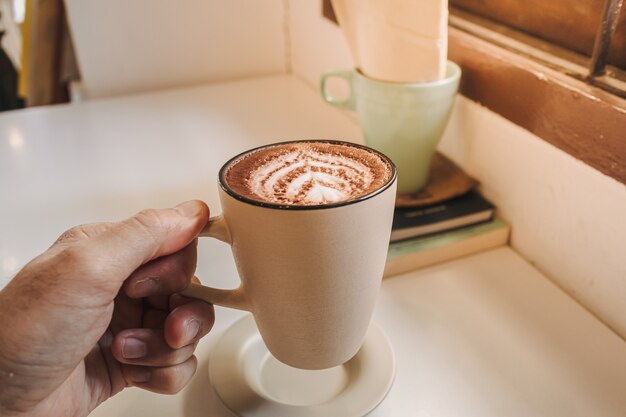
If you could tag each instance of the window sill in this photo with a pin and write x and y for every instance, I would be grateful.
(582, 120)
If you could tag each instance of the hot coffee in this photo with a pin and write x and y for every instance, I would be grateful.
(309, 225)
(307, 173)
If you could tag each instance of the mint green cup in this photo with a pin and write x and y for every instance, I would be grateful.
(405, 121)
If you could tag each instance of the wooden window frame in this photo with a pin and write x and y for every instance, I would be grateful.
(576, 116)
(573, 25)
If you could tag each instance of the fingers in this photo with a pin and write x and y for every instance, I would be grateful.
(150, 234)
(126, 314)
(164, 276)
(163, 380)
(151, 364)
(165, 340)
(188, 322)
(153, 318)
(148, 347)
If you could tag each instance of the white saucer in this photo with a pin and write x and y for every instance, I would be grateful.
(251, 382)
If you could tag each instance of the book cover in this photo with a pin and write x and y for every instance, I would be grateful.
(470, 208)
(428, 250)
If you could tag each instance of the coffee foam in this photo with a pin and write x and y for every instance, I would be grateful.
(307, 173)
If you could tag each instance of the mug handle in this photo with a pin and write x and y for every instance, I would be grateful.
(348, 103)
(216, 228)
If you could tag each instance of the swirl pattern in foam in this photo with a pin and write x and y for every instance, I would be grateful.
(307, 173)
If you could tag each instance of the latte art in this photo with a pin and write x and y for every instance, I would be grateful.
(307, 173)
(307, 176)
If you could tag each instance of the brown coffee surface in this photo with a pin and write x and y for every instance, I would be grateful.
(307, 173)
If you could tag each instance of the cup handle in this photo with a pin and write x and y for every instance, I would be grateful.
(348, 103)
(216, 228)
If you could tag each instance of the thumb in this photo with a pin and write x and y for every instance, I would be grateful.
(149, 234)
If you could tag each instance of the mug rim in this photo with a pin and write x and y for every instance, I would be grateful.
(448, 79)
(265, 204)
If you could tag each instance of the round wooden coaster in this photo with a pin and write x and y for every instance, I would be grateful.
(446, 180)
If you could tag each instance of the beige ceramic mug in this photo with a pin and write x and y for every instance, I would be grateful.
(309, 274)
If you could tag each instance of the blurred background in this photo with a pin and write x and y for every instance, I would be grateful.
(48, 45)
(57, 51)
(37, 60)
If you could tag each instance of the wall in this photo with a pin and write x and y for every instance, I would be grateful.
(568, 219)
(131, 46)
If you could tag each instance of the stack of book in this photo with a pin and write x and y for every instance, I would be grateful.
(423, 236)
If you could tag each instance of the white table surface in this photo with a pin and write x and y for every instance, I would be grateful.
(486, 335)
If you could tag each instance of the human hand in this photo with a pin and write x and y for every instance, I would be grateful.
(98, 311)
